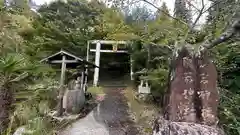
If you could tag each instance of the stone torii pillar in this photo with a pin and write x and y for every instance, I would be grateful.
(98, 50)
(97, 63)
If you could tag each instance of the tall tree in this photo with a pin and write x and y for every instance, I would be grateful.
(182, 12)
(219, 15)
(164, 13)
(113, 26)
(66, 25)
(227, 62)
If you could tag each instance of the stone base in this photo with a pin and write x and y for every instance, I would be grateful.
(164, 127)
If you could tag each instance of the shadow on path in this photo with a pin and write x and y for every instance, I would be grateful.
(114, 112)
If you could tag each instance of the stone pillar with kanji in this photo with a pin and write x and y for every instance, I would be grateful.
(192, 96)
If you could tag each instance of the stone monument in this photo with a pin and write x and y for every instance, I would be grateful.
(193, 96)
(192, 99)
(74, 100)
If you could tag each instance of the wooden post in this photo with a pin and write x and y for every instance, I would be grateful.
(82, 80)
(97, 63)
(86, 67)
(88, 46)
(61, 92)
(131, 68)
(63, 70)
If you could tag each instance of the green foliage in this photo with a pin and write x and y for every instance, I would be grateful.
(96, 90)
(112, 26)
(182, 12)
(227, 62)
(229, 112)
(152, 51)
(16, 72)
(34, 105)
(14, 68)
(158, 79)
(26, 37)
(164, 31)
(62, 25)
(228, 66)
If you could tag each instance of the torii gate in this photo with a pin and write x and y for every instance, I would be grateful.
(98, 44)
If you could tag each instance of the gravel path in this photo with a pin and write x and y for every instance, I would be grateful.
(110, 117)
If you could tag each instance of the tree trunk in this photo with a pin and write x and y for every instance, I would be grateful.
(6, 98)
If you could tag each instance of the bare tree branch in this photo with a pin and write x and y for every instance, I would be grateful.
(195, 22)
(232, 32)
(214, 4)
(195, 13)
(198, 17)
(223, 38)
(189, 3)
(201, 11)
(203, 5)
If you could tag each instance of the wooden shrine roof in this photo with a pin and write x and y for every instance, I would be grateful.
(70, 58)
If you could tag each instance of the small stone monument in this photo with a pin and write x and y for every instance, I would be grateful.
(74, 100)
(144, 88)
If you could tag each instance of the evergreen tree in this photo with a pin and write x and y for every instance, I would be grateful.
(219, 14)
(227, 62)
(182, 12)
(65, 25)
(163, 14)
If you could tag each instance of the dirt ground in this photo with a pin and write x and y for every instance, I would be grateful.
(117, 114)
